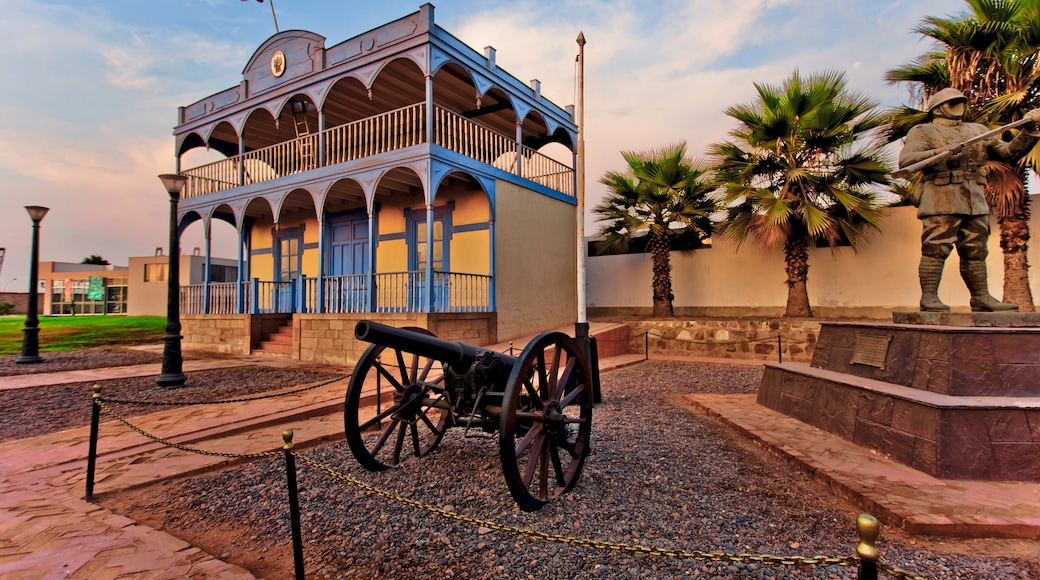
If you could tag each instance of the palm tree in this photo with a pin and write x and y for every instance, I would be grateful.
(990, 54)
(802, 169)
(663, 195)
(95, 259)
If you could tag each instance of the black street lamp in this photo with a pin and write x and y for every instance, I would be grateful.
(171, 361)
(31, 332)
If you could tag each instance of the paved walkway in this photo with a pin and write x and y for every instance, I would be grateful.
(48, 531)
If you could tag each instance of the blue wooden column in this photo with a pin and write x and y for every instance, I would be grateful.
(206, 276)
(491, 258)
(240, 287)
(428, 287)
(370, 284)
(322, 265)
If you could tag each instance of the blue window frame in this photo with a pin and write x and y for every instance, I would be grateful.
(288, 249)
(420, 251)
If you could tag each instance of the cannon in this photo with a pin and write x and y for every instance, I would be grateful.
(409, 387)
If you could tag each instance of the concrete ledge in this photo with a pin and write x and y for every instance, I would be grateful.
(896, 494)
(951, 437)
(971, 319)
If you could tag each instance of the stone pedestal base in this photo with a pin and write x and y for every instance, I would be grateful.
(953, 402)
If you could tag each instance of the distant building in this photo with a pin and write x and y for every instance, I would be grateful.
(69, 288)
(397, 175)
(138, 289)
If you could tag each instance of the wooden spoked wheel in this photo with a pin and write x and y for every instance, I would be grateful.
(546, 421)
(404, 413)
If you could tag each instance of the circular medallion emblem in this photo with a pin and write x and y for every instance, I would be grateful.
(278, 64)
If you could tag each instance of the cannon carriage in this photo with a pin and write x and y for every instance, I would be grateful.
(409, 387)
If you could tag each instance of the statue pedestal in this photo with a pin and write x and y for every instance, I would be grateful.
(956, 402)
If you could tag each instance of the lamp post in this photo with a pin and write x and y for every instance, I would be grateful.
(171, 375)
(31, 332)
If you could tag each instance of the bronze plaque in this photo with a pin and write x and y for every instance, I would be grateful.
(871, 350)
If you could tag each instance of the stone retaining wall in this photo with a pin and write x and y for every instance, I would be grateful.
(228, 333)
(739, 338)
(329, 338)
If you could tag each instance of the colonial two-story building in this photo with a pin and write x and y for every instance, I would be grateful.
(398, 175)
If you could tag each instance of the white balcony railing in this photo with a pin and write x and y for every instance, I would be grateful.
(397, 129)
(392, 292)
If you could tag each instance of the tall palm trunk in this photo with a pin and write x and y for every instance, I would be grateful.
(796, 255)
(1014, 241)
(660, 252)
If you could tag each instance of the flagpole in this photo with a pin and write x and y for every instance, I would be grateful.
(580, 185)
(581, 327)
(273, 17)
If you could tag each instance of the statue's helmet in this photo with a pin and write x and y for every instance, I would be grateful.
(947, 95)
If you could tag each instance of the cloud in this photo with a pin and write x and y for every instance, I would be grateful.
(659, 72)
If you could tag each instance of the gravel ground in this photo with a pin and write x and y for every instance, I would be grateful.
(53, 408)
(659, 476)
(56, 362)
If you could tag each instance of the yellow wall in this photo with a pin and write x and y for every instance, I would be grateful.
(470, 252)
(535, 262)
(263, 264)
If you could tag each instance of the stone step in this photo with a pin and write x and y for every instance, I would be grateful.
(278, 347)
(985, 438)
(283, 338)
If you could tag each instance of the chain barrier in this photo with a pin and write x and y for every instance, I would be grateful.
(101, 403)
(714, 557)
(223, 401)
(700, 555)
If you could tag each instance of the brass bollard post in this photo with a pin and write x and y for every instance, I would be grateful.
(294, 504)
(868, 528)
(95, 419)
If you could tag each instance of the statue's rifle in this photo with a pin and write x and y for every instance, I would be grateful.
(906, 171)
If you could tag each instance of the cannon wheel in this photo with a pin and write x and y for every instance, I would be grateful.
(410, 424)
(546, 421)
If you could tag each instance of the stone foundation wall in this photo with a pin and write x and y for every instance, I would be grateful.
(740, 338)
(228, 333)
(329, 338)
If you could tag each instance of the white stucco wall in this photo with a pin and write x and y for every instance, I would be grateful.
(723, 280)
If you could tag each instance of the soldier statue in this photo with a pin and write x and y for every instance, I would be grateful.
(950, 196)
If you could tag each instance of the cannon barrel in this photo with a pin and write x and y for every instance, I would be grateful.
(458, 355)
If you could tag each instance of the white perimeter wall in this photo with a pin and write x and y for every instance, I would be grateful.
(724, 281)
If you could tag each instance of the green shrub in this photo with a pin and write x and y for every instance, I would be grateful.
(5, 308)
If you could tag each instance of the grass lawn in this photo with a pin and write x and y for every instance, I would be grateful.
(61, 333)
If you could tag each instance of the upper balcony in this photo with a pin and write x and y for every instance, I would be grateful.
(393, 130)
(302, 107)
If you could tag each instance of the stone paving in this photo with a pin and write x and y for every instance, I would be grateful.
(47, 529)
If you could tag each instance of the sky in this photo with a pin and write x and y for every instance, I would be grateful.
(89, 90)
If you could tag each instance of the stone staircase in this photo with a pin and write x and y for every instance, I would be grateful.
(278, 343)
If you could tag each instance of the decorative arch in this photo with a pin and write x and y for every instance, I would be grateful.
(299, 200)
(342, 195)
(402, 77)
(451, 83)
(442, 172)
(187, 218)
(189, 141)
(404, 179)
(225, 213)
